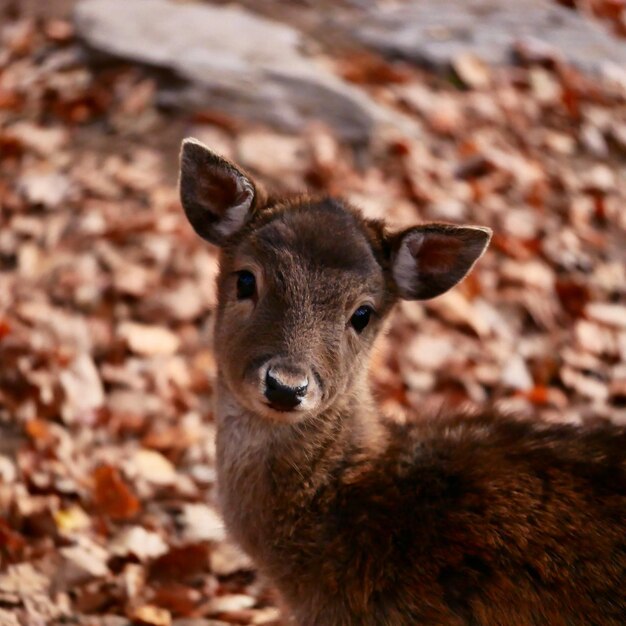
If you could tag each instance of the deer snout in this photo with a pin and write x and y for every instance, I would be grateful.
(286, 386)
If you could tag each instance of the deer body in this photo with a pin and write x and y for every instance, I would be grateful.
(451, 521)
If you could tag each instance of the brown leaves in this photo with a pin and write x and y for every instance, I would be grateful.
(107, 462)
(177, 598)
(368, 69)
(12, 543)
(148, 340)
(112, 496)
(137, 541)
(181, 563)
(150, 615)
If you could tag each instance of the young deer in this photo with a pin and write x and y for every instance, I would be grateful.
(482, 521)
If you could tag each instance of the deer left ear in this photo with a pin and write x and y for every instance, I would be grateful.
(428, 260)
(217, 197)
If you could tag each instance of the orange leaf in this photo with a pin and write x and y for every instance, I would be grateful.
(12, 544)
(181, 563)
(149, 615)
(538, 395)
(176, 598)
(112, 496)
(39, 430)
(573, 296)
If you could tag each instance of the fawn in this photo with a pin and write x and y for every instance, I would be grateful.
(481, 520)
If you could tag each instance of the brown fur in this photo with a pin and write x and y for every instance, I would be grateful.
(449, 521)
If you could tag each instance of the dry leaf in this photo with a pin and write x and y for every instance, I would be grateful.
(472, 70)
(83, 562)
(148, 340)
(176, 598)
(47, 189)
(229, 603)
(83, 389)
(138, 541)
(202, 523)
(181, 563)
(226, 559)
(430, 353)
(71, 520)
(150, 615)
(111, 495)
(609, 314)
(153, 467)
(515, 374)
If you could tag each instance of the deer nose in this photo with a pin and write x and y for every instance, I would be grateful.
(285, 389)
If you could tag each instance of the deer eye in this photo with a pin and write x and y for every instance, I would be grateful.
(361, 318)
(246, 285)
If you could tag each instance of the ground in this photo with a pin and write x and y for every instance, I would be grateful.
(107, 506)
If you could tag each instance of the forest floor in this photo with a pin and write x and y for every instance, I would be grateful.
(107, 478)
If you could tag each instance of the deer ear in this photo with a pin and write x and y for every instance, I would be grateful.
(216, 196)
(430, 259)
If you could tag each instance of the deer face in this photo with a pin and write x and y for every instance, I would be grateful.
(304, 285)
(301, 296)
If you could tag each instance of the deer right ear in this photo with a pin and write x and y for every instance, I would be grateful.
(428, 260)
(216, 196)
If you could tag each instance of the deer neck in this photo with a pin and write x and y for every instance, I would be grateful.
(266, 469)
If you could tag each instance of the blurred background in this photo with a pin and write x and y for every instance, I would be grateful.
(506, 114)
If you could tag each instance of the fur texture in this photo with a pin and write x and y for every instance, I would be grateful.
(453, 521)
(449, 521)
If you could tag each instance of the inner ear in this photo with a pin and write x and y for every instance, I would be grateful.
(430, 259)
(217, 197)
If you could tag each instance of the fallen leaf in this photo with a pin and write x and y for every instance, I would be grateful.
(153, 467)
(606, 313)
(82, 562)
(176, 598)
(47, 189)
(617, 393)
(181, 563)
(229, 603)
(8, 471)
(596, 339)
(587, 386)
(138, 541)
(8, 618)
(202, 523)
(151, 615)
(472, 70)
(430, 353)
(44, 141)
(12, 544)
(515, 374)
(455, 308)
(71, 519)
(23, 579)
(282, 156)
(226, 559)
(148, 340)
(84, 393)
(112, 496)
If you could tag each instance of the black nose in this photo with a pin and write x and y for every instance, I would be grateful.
(282, 396)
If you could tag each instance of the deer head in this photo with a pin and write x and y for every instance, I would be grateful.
(305, 284)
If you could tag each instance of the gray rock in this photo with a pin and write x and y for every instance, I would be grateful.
(231, 61)
(435, 32)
